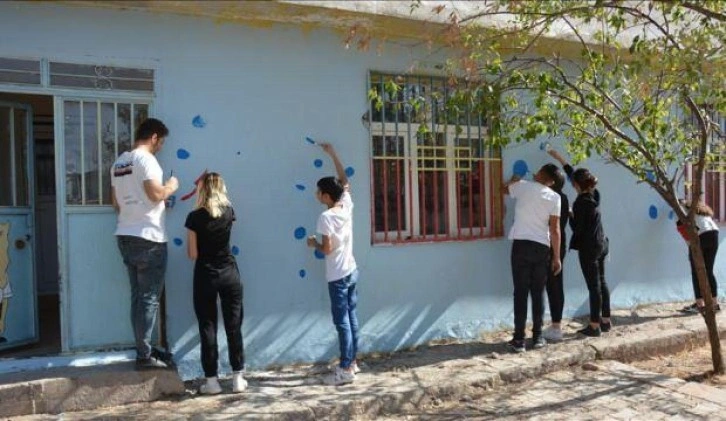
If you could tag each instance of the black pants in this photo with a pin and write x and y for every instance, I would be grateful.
(709, 247)
(556, 292)
(593, 269)
(212, 280)
(530, 265)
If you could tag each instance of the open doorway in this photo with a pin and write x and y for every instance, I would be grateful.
(44, 228)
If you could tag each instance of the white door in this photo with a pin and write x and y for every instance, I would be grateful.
(18, 300)
(95, 288)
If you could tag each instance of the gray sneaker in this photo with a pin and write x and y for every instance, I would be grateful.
(150, 363)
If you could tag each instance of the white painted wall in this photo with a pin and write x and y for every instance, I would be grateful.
(260, 91)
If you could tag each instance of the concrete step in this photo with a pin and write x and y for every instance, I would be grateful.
(69, 389)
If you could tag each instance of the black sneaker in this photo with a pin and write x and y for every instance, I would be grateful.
(516, 346)
(606, 327)
(590, 331)
(150, 363)
(538, 343)
(690, 309)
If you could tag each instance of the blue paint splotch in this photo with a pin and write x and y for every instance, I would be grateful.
(310, 140)
(650, 175)
(671, 215)
(349, 172)
(182, 153)
(235, 250)
(300, 187)
(178, 241)
(302, 273)
(653, 212)
(300, 233)
(198, 122)
(318, 163)
(319, 254)
(520, 168)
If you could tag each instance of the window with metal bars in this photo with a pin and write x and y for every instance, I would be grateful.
(95, 133)
(434, 177)
(713, 183)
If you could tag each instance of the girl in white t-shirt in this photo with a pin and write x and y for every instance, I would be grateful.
(708, 237)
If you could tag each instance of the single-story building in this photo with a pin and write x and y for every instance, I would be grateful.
(241, 85)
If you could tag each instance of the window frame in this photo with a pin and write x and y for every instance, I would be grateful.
(411, 230)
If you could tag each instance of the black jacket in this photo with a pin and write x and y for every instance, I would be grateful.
(588, 235)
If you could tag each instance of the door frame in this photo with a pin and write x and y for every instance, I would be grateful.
(30, 165)
(58, 95)
(62, 211)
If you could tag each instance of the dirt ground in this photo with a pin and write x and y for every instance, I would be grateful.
(691, 365)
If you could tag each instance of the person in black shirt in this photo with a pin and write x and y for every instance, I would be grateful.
(588, 238)
(215, 275)
(555, 288)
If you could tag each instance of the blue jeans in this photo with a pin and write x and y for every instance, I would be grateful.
(343, 303)
(146, 264)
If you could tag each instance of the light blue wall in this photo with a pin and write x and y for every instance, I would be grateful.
(260, 92)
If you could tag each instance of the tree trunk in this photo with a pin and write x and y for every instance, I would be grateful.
(709, 315)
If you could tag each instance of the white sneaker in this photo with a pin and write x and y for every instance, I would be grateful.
(239, 384)
(339, 377)
(355, 367)
(552, 334)
(210, 387)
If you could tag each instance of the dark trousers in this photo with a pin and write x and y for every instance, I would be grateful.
(530, 265)
(210, 282)
(556, 292)
(593, 269)
(709, 247)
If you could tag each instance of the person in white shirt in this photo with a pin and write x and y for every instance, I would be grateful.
(336, 228)
(708, 237)
(535, 249)
(138, 195)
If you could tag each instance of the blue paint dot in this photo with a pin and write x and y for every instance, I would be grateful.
(198, 122)
(300, 187)
(544, 146)
(310, 140)
(653, 212)
(178, 241)
(671, 215)
(235, 250)
(182, 153)
(302, 273)
(239, 153)
(318, 163)
(300, 233)
(319, 254)
(349, 172)
(650, 175)
(520, 168)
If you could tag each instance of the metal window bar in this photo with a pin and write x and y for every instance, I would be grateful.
(83, 150)
(100, 152)
(13, 169)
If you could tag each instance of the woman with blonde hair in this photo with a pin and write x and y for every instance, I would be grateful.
(215, 275)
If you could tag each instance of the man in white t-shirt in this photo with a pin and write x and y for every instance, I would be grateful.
(336, 228)
(138, 194)
(535, 249)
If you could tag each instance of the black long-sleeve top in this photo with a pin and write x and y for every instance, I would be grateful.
(564, 218)
(588, 235)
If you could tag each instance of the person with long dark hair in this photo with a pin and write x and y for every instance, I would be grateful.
(216, 275)
(588, 238)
